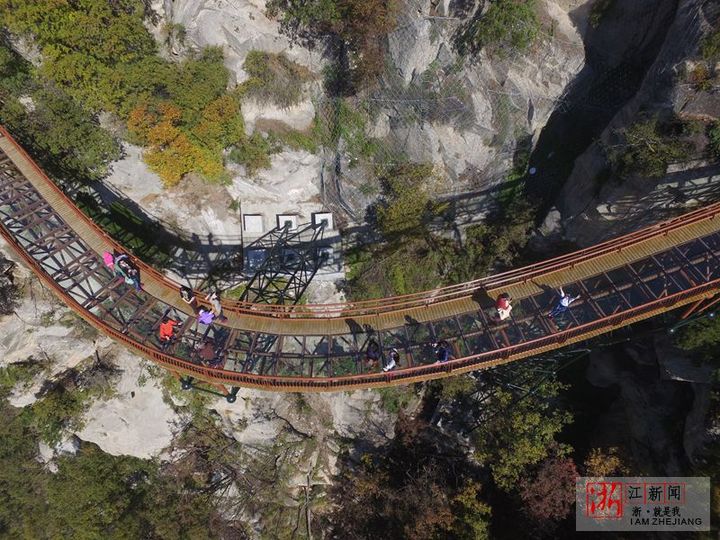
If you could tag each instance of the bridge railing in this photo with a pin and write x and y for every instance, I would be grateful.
(395, 303)
(486, 359)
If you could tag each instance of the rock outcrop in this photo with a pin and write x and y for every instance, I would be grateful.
(473, 111)
(594, 209)
(661, 399)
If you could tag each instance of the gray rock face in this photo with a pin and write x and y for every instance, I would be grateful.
(662, 399)
(238, 26)
(678, 365)
(470, 122)
(593, 211)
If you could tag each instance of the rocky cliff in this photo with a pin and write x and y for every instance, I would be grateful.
(466, 114)
(595, 204)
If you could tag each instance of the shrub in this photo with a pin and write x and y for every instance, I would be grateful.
(598, 10)
(710, 46)
(406, 203)
(507, 24)
(9, 293)
(650, 146)
(274, 78)
(714, 139)
(253, 153)
(700, 78)
(339, 120)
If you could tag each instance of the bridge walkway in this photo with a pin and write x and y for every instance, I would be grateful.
(321, 347)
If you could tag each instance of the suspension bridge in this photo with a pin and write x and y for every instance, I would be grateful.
(670, 265)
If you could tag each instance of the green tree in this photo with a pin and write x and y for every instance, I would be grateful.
(702, 337)
(714, 139)
(650, 146)
(22, 488)
(405, 207)
(82, 42)
(506, 24)
(520, 432)
(92, 496)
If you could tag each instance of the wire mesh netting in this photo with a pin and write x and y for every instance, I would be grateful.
(485, 119)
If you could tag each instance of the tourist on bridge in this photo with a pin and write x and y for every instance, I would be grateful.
(208, 354)
(205, 316)
(187, 295)
(393, 360)
(442, 351)
(503, 306)
(166, 332)
(563, 304)
(372, 353)
(216, 305)
(126, 271)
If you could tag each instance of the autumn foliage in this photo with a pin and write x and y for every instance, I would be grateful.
(550, 494)
(102, 55)
(174, 149)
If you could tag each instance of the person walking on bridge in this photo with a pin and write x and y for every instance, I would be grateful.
(166, 331)
(216, 306)
(503, 307)
(187, 295)
(563, 304)
(443, 351)
(372, 353)
(393, 360)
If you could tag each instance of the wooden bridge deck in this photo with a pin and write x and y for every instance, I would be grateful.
(321, 347)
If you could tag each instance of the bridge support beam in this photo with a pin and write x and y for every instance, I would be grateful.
(712, 302)
(693, 307)
(231, 396)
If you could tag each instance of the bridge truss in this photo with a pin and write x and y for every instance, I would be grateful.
(322, 347)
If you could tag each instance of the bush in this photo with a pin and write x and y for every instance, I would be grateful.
(598, 10)
(361, 25)
(714, 139)
(9, 293)
(650, 147)
(254, 153)
(340, 121)
(700, 78)
(274, 78)
(507, 24)
(710, 46)
(405, 207)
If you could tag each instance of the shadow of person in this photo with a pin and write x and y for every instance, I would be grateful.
(482, 298)
(356, 329)
(545, 288)
(410, 321)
